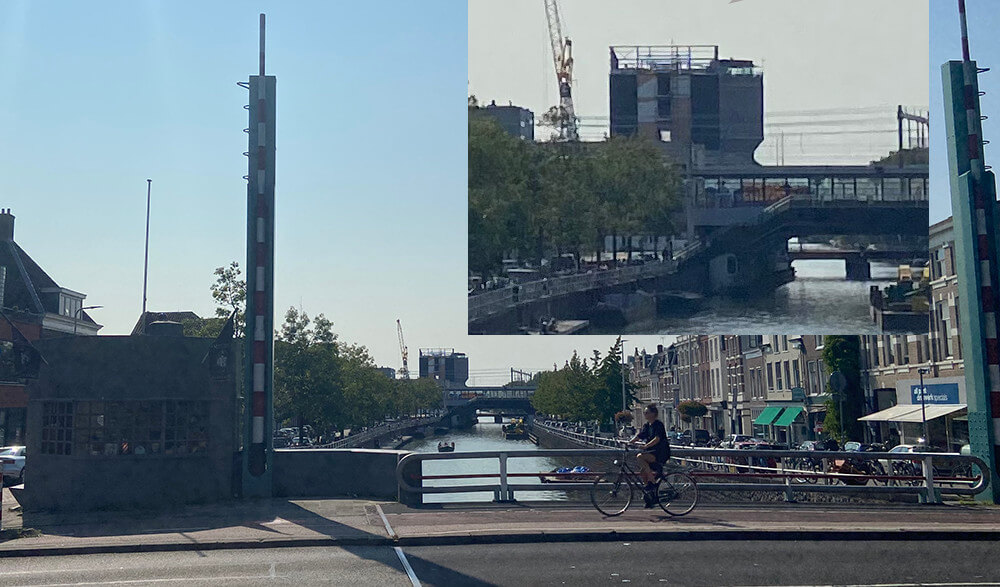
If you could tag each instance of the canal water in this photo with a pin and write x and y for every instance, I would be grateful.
(819, 301)
(485, 436)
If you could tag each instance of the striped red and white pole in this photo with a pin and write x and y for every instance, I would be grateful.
(260, 359)
(985, 233)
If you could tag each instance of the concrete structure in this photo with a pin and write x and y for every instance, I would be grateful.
(258, 379)
(123, 421)
(973, 195)
(703, 110)
(516, 121)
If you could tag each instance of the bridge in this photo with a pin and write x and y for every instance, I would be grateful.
(742, 221)
(464, 403)
(857, 263)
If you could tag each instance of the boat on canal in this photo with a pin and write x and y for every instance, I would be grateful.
(444, 446)
(515, 430)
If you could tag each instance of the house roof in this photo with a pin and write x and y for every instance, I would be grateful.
(163, 317)
(26, 281)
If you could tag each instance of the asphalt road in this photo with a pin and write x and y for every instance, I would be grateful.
(613, 563)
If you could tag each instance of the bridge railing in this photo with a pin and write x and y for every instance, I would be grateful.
(380, 431)
(493, 302)
(795, 471)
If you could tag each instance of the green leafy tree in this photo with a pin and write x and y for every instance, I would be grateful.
(308, 385)
(230, 292)
(843, 354)
(690, 409)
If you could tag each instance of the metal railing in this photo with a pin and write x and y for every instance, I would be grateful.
(486, 304)
(745, 470)
(505, 484)
(380, 431)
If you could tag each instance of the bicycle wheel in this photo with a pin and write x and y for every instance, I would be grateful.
(677, 493)
(611, 493)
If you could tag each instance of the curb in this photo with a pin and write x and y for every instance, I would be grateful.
(519, 538)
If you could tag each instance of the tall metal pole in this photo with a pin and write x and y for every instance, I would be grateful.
(259, 332)
(973, 192)
(923, 408)
(145, 262)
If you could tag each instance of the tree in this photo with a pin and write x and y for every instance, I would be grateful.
(308, 386)
(230, 292)
(690, 409)
(843, 354)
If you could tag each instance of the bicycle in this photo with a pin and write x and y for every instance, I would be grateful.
(612, 492)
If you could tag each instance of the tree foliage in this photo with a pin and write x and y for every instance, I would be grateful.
(585, 392)
(331, 385)
(548, 198)
(690, 409)
(843, 354)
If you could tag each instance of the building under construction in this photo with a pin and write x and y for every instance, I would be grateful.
(705, 111)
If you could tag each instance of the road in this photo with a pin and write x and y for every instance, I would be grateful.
(610, 563)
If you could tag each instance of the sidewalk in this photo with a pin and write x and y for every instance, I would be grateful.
(328, 522)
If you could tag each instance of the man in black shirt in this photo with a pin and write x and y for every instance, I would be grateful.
(655, 449)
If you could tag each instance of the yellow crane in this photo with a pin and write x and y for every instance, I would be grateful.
(562, 58)
(404, 373)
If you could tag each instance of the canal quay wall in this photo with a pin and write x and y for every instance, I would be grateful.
(555, 438)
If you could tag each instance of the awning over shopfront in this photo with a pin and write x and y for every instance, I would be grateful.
(933, 412)
(767, 416)
(912, 413)
(890, 415)
(788, 416)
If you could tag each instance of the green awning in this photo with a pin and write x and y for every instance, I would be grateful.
(767, 416)
(788, 416)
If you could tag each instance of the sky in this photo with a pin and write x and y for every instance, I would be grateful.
(816, 55)
(370, 166)
(946, 45)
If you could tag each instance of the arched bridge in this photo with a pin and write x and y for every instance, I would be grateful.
(513, 399)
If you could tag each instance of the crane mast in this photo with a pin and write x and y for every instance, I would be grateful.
(562, 58)
(405, 371)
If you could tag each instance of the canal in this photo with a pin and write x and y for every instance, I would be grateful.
(819, 301)
(484, 436)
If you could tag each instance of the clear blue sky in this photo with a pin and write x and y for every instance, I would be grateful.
(371, 160)
(946, 45)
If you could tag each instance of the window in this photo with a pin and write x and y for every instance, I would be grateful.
(784, 344)
(770, 375)
(777, 376)
(130, 428)
(57, 428)
(788, 378)
(798, 376)
(814, 386)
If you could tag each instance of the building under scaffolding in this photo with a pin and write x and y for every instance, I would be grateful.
(705, 111)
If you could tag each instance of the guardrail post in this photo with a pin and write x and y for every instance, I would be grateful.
(930, 494)
(789, 496)
(505, 494)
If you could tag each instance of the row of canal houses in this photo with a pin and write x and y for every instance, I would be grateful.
(767, 386)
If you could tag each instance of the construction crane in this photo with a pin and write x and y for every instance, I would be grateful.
(404, 373)
(562, 58)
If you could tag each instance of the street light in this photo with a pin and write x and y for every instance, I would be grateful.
(76, 315)
(923, 404)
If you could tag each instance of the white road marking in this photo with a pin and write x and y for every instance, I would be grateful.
(992, 583)
(388, 528)
(164, 580)
(406, 566)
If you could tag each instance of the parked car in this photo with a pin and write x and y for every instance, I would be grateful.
(701, 437)
(731, 440)
(12, 463)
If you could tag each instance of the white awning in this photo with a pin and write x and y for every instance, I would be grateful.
(935, 411)
(893, 414)
(912, 413)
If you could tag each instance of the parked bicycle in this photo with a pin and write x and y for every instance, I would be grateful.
(612, 492)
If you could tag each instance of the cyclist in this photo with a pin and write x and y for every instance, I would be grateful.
(655, 451)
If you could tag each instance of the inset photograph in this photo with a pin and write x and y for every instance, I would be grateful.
(698, 167)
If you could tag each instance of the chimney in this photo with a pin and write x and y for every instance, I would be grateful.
(6, 225)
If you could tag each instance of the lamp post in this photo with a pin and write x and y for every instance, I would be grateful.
(76, 315)
(923, 404)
